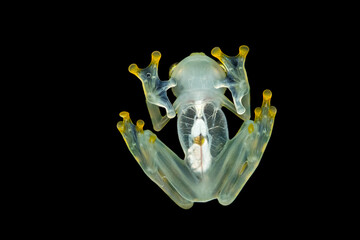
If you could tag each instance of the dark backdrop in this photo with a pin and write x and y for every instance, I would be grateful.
(104, 186)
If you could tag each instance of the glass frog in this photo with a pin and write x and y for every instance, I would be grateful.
(215, 167)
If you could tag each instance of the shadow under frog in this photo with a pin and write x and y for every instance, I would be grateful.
(215, 167)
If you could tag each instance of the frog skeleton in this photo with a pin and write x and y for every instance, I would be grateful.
(215, 167)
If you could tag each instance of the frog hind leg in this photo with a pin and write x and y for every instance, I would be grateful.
(243, 153)
(158, 162)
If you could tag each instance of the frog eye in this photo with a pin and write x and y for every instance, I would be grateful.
(172, 68)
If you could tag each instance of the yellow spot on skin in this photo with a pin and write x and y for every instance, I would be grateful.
(125, 115)
(243, 168)
(134, 69)
(267, 94)
(216, 52)
(251, 128)
(121, 126)
(199, 140)
(197, 53)
(257, 114)
(139, 126)
(266, 98)
(243, 51)
(152, 138)
(155, 57)
(272, 111)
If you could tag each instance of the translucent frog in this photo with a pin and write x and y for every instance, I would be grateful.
(215, 167)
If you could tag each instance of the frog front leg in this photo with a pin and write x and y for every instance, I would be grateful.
(236, 79)
(242, 154)
(155, 91)
(158, 162)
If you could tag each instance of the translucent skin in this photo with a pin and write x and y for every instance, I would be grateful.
(195, 73)
(214, 166)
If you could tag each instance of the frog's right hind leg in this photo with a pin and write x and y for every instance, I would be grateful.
(242, 154)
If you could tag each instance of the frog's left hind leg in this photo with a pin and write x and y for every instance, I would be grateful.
(242, 154)
(155, 91)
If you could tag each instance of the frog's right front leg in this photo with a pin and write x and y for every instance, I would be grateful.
(155, 91)
(159, 163)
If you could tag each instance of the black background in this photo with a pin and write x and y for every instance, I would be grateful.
(101, 187)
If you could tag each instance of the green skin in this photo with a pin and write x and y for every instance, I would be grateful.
(235, 163)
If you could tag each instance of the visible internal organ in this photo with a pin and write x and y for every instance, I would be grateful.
(199, 157)
(202, 131)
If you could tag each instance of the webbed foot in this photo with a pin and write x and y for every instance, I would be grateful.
(154, 88)
(236, 80)
(159, 163)
(264, 119)
(243, 153)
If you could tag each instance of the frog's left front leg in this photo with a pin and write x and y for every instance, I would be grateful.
(236, 79)
(155, 91)
(242, 154)
(159, 163)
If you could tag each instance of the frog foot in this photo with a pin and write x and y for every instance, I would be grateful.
(264, 120)
(265, 115)
(155, 89)
(236, 79)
